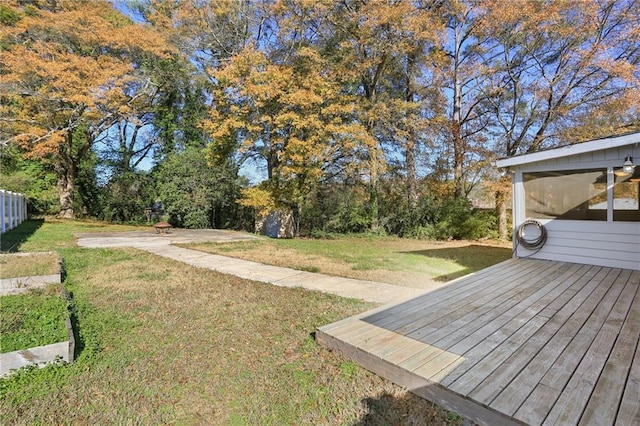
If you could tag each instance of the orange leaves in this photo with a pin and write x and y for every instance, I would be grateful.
(291, 115)
(621, 69)
(554, 64)
(65, 65)
(47, 143)
(70, 65)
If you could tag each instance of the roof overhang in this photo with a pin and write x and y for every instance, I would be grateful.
(576, 149)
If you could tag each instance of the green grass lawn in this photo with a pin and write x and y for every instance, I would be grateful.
(162, 342)
(53, 234)
(387, 259)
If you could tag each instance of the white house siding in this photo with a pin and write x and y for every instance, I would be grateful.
(613, 244)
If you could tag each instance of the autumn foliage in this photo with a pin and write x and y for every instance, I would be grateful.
(290, 116)
(69, 71)
(321, 94)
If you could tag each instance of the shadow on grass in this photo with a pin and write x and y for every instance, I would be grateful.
(12, 240)
(473, 257)
(387, 409)
(79, 343)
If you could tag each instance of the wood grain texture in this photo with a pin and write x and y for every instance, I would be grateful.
(528, 342)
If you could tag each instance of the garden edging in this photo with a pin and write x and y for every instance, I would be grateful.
(41, 355)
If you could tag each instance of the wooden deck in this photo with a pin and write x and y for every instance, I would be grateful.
(526, 341)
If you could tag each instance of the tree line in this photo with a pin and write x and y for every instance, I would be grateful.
(379, 115)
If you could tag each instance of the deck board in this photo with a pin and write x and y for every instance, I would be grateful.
(501, 308)
(575, 396)
(629, 412)
(478, 316)
(493, 384)
(491, 359)
(538, 405)
(512, 397)
(607, 394)
(472, 310)
(511, 320)
(455, 294)
(525, 341)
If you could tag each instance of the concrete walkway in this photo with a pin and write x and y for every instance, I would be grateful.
(161, 245)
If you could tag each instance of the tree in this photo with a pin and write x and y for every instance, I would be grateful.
(378, 50)
(31, 177)
(288, 116)
(196, 193)
(556, 84)
(553, 77)
(69, 66)
(208, 32)
(466, 76)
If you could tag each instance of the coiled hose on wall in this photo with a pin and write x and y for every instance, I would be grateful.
(531, 243)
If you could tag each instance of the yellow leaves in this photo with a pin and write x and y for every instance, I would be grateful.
(72, 63)
(224, 128)
(258, 198)
(24, 139)
(559, 18)
(620, 68)
(293, 115)
(304, 98)
(124, 110)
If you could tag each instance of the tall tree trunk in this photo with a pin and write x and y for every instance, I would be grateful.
(295, 212)
(373, 178)
(66, 189)
(66, 174)
(412, 181)
(456, 119)
(458, 157)
(411, 145)
(373, 196)
(501, 213)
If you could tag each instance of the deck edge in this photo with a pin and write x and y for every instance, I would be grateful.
(418, 385)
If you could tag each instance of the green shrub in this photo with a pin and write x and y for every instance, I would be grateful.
(459, 221)
(345, 210)
(195, 219)
(349, 219)
(197, 194)
(8, 16)
(480, 224)
(424, 232)
(125, 198)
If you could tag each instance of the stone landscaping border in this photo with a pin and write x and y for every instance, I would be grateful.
(40, 355)
(17, 285)
(23, 284)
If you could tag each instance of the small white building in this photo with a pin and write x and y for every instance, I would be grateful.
(579, 203)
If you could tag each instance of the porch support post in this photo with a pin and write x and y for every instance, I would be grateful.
(611, 180)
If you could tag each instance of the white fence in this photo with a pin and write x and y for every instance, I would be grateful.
(13, 209)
